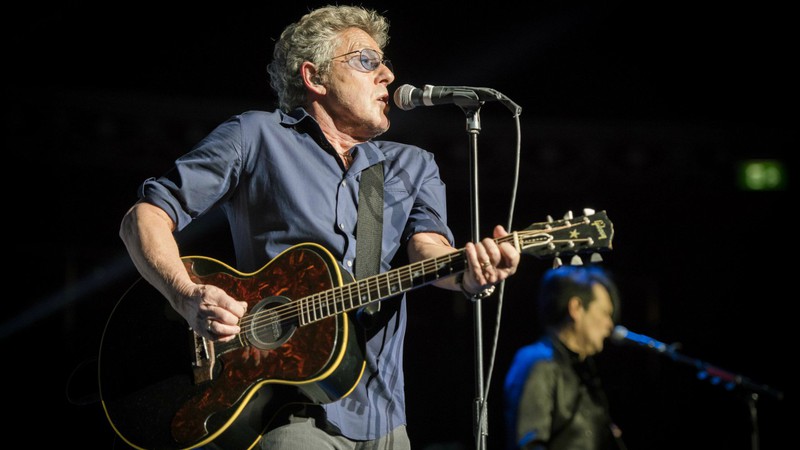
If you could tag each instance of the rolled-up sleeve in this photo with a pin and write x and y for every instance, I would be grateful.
(201, 178)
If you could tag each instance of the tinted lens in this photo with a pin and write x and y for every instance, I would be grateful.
(367, 60)
(370, 59)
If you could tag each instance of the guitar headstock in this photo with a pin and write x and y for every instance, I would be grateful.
(569, 237)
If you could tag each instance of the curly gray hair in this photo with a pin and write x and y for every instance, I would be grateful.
(314, 38)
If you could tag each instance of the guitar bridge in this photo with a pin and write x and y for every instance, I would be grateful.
(203, 359)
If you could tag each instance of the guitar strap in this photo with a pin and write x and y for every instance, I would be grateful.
(369, 232)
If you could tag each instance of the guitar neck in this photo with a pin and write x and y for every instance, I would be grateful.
(378, 287)
(569, 236)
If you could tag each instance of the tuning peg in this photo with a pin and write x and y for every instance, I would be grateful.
(596, 258)
(568, 215)
(576, 261)
(557, 262)
(588, 211)
(550, 219)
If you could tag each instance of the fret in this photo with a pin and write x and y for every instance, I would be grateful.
(322, 306)
(373, 287)
(319, 311)
(354, 288)
(363, 292)
(397, 286)
(312, 310)
(429, 275)
(336, 304)
(417, 274)
(302, 307)
(382, 281)
(403, 280)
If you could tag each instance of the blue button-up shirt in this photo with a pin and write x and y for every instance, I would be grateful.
(280, 184)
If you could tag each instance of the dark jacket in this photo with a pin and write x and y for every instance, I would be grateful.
(555, 401)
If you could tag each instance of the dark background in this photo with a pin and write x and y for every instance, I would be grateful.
(644, 111)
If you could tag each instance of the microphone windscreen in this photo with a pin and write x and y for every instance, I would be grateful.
(402, 97)
(619, 334)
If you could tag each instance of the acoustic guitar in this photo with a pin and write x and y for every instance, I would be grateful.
(162, 386)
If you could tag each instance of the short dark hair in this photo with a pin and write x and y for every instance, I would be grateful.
(560, 284)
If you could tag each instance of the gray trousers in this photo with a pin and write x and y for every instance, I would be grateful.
(302, 434)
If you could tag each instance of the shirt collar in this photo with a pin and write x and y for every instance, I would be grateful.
(303, 122)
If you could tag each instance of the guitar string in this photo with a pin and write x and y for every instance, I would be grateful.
(321, 302)
(320, 305)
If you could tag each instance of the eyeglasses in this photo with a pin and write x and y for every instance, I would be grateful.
(366, 60)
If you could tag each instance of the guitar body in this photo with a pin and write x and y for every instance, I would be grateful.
(164, 387)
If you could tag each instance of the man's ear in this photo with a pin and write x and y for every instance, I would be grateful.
(311, 77)
(574, 306)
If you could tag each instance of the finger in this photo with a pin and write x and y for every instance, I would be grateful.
(472, 256)
(217, 304)
(486, 272)
(218, 314)
(225, 301)
(220, 332)
(510, 258)
(474, 263)
(493, 260)
(224, 329)
(500, 231)
(493, 253)
(483, 269)
(232, 307)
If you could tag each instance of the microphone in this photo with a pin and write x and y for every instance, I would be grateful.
(408, 97)
(715, 375)
(622, 335)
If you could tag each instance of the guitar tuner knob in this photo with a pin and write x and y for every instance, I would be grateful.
(557, 262)
(596, 258)
(568, 215)
(588, 211)
(576, 261)
(550, 219)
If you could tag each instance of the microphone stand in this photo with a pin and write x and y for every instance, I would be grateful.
(469, 102)
(729, 380)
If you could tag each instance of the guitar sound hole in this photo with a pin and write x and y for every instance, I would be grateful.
(271, 323)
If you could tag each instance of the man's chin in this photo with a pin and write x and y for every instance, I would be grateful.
(380, 129)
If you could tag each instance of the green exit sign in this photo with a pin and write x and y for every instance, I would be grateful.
(762, 175)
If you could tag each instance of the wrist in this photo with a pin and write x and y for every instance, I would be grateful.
(470, 295)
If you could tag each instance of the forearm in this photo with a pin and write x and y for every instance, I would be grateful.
(146, 231)
(431, 245)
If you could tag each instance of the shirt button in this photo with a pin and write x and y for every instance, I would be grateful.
(341, 226)
(344, 183)
(349, 263)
